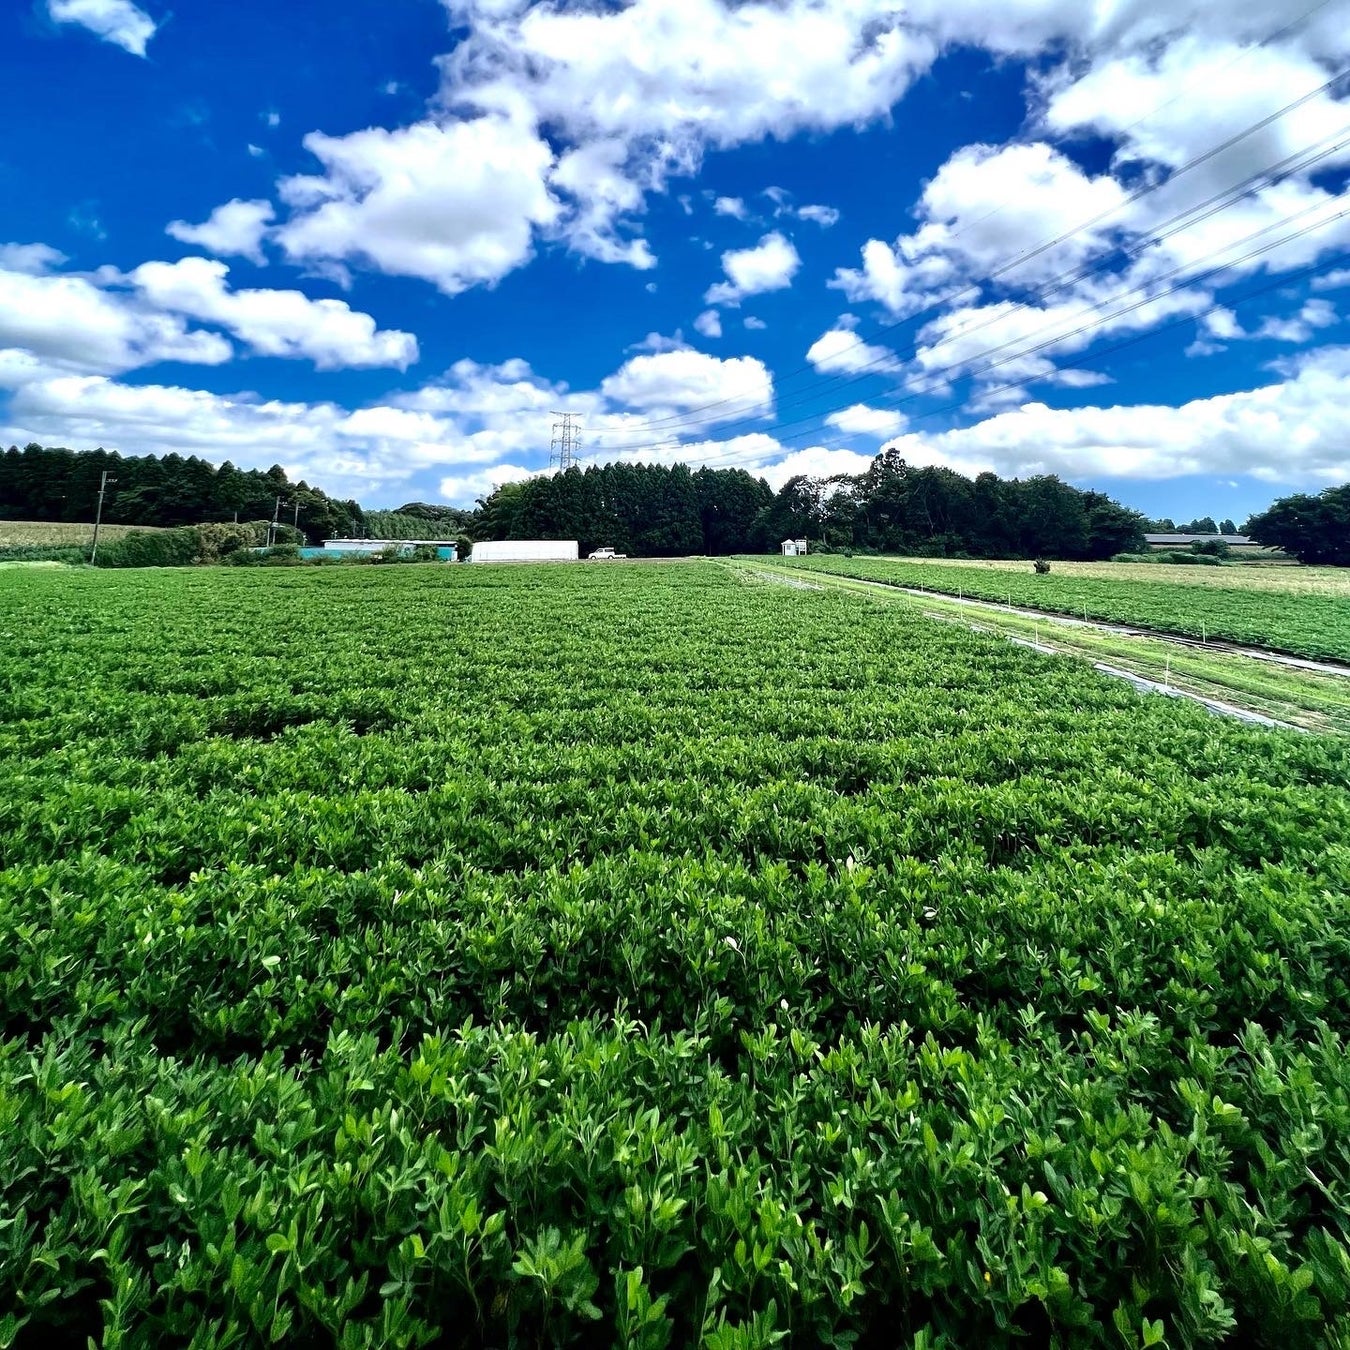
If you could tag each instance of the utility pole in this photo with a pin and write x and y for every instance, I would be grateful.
(566, 440)
(276, 521)
(98, 517)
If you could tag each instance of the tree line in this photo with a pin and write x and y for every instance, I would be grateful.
(893, 507)
(1200, 525)
(652, 510)
(51, 484)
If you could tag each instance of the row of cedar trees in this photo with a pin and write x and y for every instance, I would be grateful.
(652, 510)
(641, 509)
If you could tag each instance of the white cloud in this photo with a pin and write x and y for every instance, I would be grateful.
(1295, 431)
(675, 381)
(593, 176)
(1331, 281)
(709, 323)
(630, 96)
(730, 206)
(984, 207)
(842, 351)
(274, 323)
(456, 204)
(68, 324)
(233, 230)
(659, 342)
(347, 452)
(1221, 326)
(817, 461)
(1141, 98)
(769, 266)
(825, 216)
(671, 77)
(1314, 315)
(465, 489)
(33, 259)
(116, 21)
(860, 420)
(753, 323)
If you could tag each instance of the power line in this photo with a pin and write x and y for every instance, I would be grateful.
(1147, 296)
(1241, 56)
(1185, 220)
(975, 290)
(1083, 362)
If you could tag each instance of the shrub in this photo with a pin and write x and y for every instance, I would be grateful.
(1211, 548)
(280, 555)
(160, 548)
(220, 540)
(1041, 566)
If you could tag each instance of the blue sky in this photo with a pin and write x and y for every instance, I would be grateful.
(381, 243)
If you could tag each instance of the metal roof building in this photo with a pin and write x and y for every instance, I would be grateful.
(1186, 540)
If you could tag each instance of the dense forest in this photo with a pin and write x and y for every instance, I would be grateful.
(651, 510)
(53, 485)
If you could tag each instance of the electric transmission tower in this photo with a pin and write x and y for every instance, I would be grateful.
(566, 441)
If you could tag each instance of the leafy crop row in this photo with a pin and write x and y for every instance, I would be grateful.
(1307, 625)
(547, 956)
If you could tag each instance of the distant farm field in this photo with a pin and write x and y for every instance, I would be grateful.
(1291, 580)
(652, 957)
(1302, 611)
(57, 534)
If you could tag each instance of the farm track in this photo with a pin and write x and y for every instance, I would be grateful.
(1113, 648)
(1213, 645)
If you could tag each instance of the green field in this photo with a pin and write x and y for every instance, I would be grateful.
(1303, 612)
(645, 956)
(58, 534)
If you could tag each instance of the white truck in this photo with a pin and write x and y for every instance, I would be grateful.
(604, 555)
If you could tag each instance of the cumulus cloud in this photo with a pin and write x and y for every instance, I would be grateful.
(860, 420)
(34, 259)
(68, 324)
(675, 381)
(842, 351)
(466, 488)
(1293, 431)
(233, 230)
(730, 206)
(116, 21)
(769, 266)
(106, 323)
(455, 204)
(816, 461)
(273, 322)
(630, 96)
(984, 207)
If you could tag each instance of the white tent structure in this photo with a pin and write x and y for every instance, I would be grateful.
(526, 550)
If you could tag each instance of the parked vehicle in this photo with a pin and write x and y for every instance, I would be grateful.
(604, 555)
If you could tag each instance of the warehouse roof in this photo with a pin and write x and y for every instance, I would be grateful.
(1235, 539)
